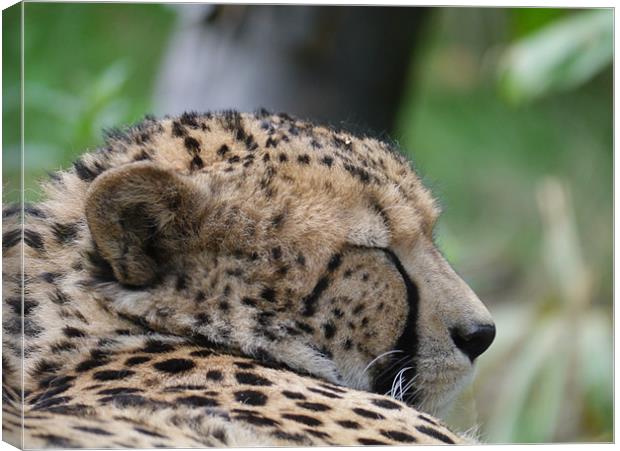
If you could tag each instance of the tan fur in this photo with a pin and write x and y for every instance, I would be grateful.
(261, 235)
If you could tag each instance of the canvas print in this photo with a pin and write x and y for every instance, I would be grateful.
(258, 225)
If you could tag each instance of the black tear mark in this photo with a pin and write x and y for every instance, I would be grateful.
(408, 341)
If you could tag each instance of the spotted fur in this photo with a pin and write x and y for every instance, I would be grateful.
(227, 280)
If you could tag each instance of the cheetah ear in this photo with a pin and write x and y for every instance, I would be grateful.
(140, 216)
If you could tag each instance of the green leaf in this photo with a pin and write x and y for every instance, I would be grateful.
(561, 56)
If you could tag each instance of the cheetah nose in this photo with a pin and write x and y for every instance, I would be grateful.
(473, 342)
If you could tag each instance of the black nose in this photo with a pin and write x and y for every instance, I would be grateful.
(473, 342)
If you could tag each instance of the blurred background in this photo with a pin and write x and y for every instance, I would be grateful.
(507, 114)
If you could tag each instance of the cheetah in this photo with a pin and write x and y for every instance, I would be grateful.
(228, 279)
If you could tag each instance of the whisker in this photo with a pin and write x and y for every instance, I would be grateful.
(379, 357)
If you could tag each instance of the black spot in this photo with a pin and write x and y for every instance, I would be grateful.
(91, 430)
(178, 130)
(174, 366)
(223, 150)
(119, 391)
(181, 282)
(200, 297)
(303, 159)
(282, 157)
(271, 142)
(370, 441)
(327, 161)
(73, 332)
(16, 305)
(196, 163)
(348, 344)
(254, 418)
(427, 419)
(249, 302)
(398, 436)
(315, 406)
(112, 375)
(11, 238)
(56, 441)
(189, 118)
(252, 379)
(127, 400)
(192, 145)
(234, 159)
(214, 375)
(301, 260)
(432, 432)
(289, 436)
(149, 433)
(224, 305)
(157, 347)
(49, 277)
(276, 252)
(201, 353)
(132, 361)
(198, 401)
(310, 301)
(304, 327)
(65, 233)
(386, 404)
(90, 364)
(85, 173)
(268, 294)
(62, 346)
(251, 397)
(333, 388)
(293, 395)
(349, 424)
(45, 367)
(368, 414)
(141, 156)
(329, 329)
(324, 393)
(303, 419)
(59, 298)
(33, 239)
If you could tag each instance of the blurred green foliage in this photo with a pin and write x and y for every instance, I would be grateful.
(86, 67)
(519, 154)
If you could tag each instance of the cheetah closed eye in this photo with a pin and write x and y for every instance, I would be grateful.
(234, 279)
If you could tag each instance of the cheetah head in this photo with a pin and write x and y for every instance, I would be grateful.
(315, 250)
